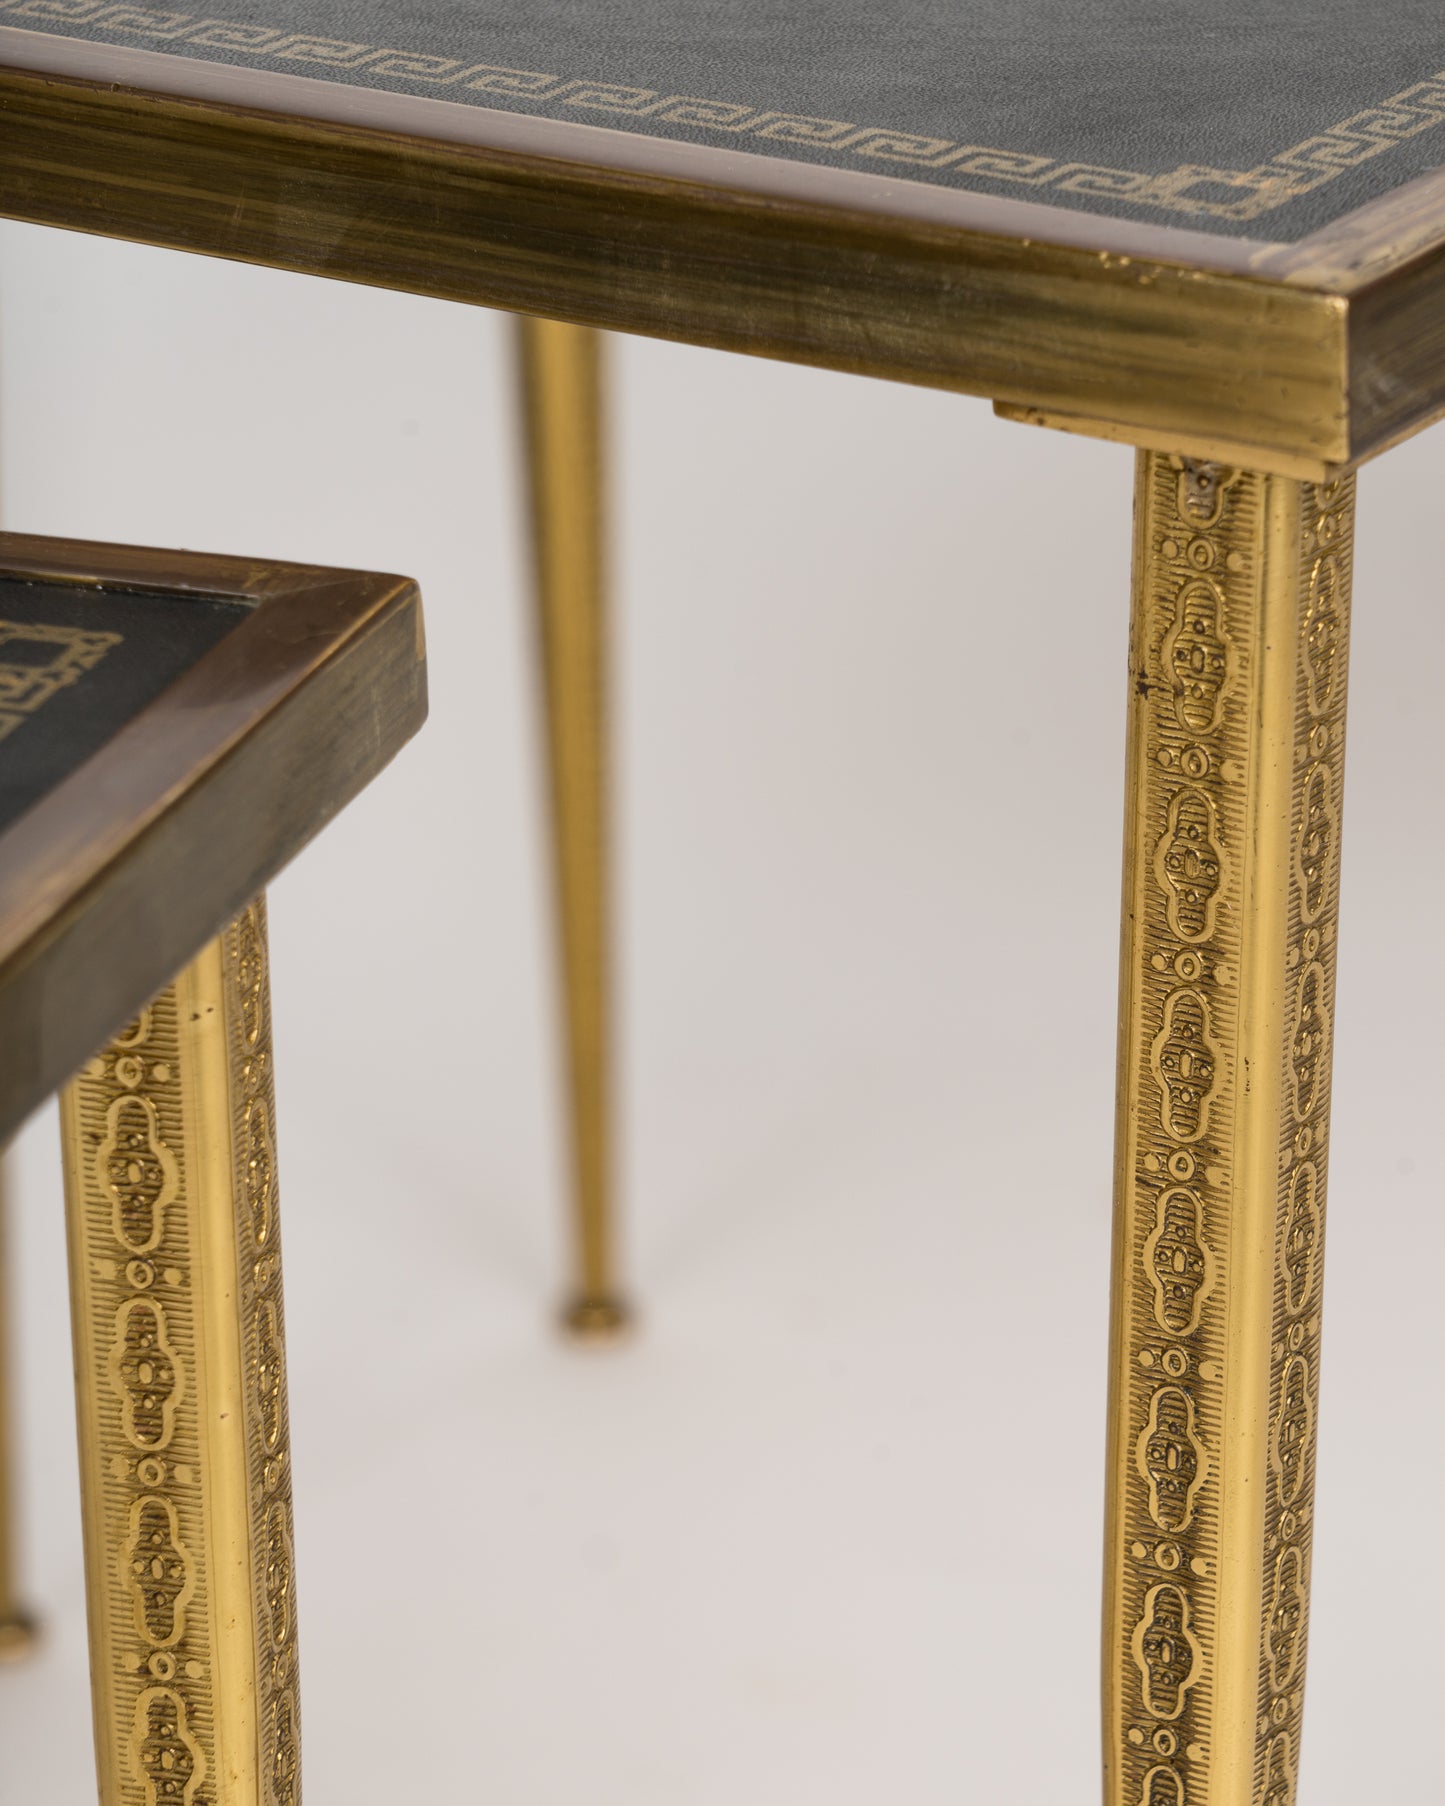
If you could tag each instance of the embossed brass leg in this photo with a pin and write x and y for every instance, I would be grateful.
(175, 1266)
(1237, 720)
(562, 407)
(16, 1630)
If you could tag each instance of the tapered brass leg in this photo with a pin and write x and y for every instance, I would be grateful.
(175, 1265)
(16, 1631)
(562, 408)
(1237, 719)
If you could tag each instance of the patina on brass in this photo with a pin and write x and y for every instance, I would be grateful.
(1237, 720)
(175, 1265)
(562, 411)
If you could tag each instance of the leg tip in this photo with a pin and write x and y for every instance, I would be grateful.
(597, 1319)
(18, 1637)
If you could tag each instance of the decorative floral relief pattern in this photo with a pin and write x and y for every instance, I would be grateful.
(1166, 1651)
(1172, 1459)
(1162, 1787)
(1277, 1788)
(1190, 864)
(1179, 1262)
(1293, 1431)
(1310, 1042)
(1199, 657)
(1285, 1619)
(145, 1374)
(1186, 1062)
(136, 1167)
(262, 1317)
(168, 1760)
(1314, 857)
(1299, 1244)
(1197, 642)
(162, 1575)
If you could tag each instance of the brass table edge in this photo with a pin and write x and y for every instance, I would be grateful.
(798, 266)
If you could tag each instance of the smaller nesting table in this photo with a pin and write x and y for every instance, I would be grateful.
(173, 729)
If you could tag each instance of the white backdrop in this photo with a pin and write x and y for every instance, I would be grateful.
(830, 1527)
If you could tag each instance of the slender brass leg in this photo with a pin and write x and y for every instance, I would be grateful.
(175, 1265)
(562, 405)
(16, 1630)
(1236, 746)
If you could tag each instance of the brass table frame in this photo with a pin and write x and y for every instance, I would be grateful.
(1252, 376)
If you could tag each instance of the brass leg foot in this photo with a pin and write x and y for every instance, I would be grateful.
(597, 1319)
(18, 1637)
(1238, 655)
(175, 1267)
(562, 409)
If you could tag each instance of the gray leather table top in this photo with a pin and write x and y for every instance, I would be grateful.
(1261, 118)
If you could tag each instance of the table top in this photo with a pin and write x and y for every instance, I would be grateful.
(173, 729)
(1285, 114)
(1220, 228)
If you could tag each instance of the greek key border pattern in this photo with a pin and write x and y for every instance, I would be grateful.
(25, 688)
(1192, 188)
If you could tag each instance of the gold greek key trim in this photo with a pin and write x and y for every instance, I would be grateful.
(27, 684)
(1192, 188)
(181, 1388)
(1239, 652)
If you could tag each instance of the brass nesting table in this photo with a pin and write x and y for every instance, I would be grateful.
(1218, 236)
(173, 729)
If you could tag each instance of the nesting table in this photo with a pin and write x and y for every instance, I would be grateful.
(173, 728)
(1217, 235)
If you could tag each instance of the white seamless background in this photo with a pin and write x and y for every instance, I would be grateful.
(830, 1527)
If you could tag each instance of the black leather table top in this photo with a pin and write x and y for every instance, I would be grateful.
(1262, 118)
(76, 664)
